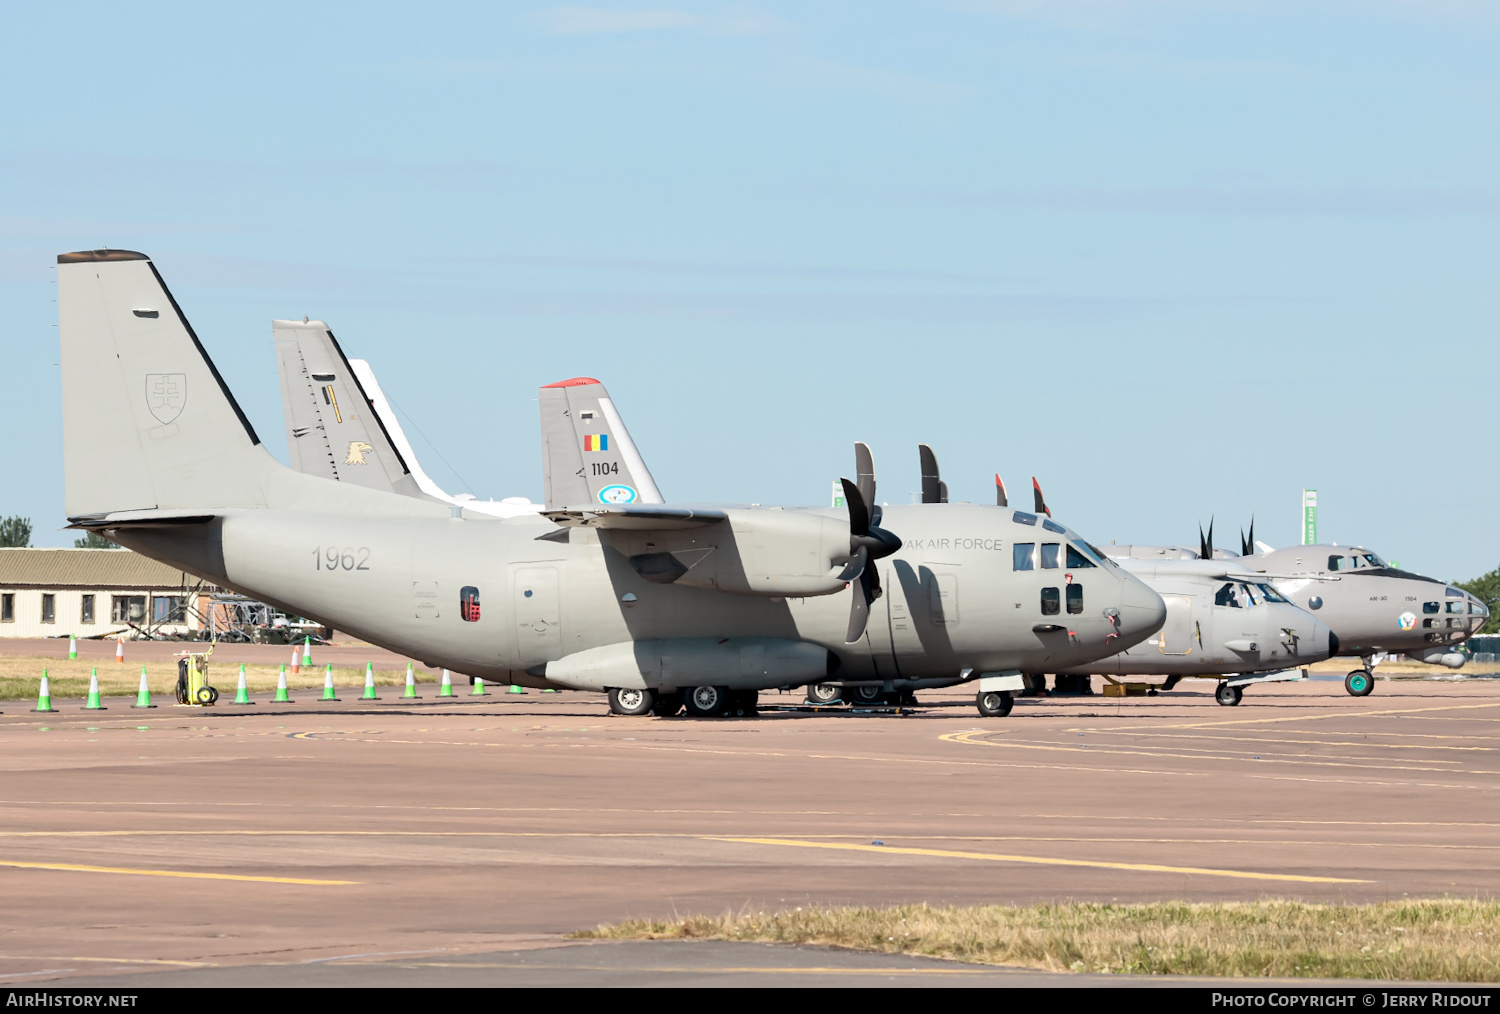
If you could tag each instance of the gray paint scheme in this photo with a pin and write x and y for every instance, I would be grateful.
(575, 473)
(183, 479)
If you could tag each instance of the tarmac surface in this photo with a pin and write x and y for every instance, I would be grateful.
(454, 842)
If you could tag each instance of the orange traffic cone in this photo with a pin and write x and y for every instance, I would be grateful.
(296, 661)
(120, 649)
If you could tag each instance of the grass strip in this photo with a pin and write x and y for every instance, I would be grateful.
(21, 677)
(1452, 940)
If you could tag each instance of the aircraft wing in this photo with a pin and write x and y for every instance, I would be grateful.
(637, 518)
(1258, 576)
(331, 428)
(587, 454)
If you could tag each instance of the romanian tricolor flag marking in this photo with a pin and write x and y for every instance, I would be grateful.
(596, 441)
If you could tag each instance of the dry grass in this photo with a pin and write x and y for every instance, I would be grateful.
(1433, 940)
(20, 678)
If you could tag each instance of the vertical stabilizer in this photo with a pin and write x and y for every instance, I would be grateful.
(148, 423)
(332, 429)
(587, 454)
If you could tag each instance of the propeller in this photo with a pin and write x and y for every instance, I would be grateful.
(934, 489)
(864, 475)
(1000, 499)
(868, 542)
(1041, 501)
(1247, 543)
(1206, 544)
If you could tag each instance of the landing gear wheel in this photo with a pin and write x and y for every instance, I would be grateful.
(995, 703)
(1359, 683)
(1227, 695)
(743, 703)
(707, 702)
(207, 695)
(667, 705)
(823, 693)
(630, 701)
(865, 695)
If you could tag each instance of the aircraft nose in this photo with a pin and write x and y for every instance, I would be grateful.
(1142, 611)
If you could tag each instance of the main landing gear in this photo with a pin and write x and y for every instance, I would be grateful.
(700, 702)
(1228, 696)
(995, 703)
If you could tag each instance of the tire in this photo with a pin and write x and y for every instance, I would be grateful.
(667, 705)
(1359, 683)
(865, 695)
(207, 695)
(630, 701)
(1228, 696)
(824, 693)
(706, 702)
(995, 703)
(743, 703)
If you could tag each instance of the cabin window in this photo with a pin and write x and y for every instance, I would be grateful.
(168, 609)
(86, 609)
(1429, 622)
(1075, 598)
(1077, 560)
(127, 609)
(49, 607)
(1049, 555)
(1053, 526)
(1051, 602)
(1022, 518)
(8, 608)
(468, 603)
(1432, 607)
(1020, 555)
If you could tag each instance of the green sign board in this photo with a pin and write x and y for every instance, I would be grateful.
(1309, 517)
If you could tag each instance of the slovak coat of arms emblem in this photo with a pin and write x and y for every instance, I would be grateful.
(166, 393)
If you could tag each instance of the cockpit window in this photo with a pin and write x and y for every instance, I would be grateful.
(1094, 550)
(1374, 561)
(1337, 563)
(1020, 555)
(1476, 608)
(1457, 607)
(1049, 555)
(1053, 526)
(1228, 595)
(1270, 594)
(1077, 559)
(1022, 518)
(1455, 593)
(1432, 607)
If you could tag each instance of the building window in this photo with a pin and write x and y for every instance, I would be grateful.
(127, 609)
(167, 608)
(1075, 598)
(86, 610)
(49, 607)
(468, 603)
(8, 608)
(1051, 602)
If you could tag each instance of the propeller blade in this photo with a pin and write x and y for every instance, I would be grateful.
(1000, 498)
(1247, 543)
(1041, 501)
(859, 613)
(859, 512)
(942, 491)
(1206, 544)
(856, 565)
(864, 471)
(931, 481)
(870, 579)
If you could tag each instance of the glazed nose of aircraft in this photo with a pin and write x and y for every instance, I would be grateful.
(1142, 611)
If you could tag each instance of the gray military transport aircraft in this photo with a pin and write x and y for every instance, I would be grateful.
(652, 603)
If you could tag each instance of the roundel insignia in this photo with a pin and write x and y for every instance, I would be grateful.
(1406, 621)
(617, 494)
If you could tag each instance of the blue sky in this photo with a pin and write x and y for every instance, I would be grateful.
(1177, 259)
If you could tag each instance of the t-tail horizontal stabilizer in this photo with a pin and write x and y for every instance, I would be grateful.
(587, 454)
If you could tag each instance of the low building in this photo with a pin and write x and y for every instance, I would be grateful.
(56, 592)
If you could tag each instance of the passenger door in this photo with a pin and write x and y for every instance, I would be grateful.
(1177, 634)
(538, 625)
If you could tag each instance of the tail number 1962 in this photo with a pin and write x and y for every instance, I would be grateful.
(346, 558)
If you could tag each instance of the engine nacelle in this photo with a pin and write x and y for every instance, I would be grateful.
(739, 663)
(753, 552)
(1439, 656)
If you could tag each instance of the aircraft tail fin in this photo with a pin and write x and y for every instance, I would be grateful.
(148, 423)
(587, 454)
(332, 428)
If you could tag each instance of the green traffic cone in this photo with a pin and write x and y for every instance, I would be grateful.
(93, 702)
(72, 646)
(411, 683)
(242, 695)
(479, 690)
(143, 695)
(307, 651)
(548, 690)
(514, 689)
(369, 694)
(281, 697)
(328, 682)
(445, 689)
(44, 697)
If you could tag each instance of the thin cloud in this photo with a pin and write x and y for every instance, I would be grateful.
(607, 21)
(1341, 203)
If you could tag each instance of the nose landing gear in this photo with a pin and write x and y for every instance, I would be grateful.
(1359, 683)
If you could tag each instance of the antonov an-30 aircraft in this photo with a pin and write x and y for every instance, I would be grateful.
(765, 597)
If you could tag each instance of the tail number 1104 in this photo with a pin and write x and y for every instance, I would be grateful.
(347, 558)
